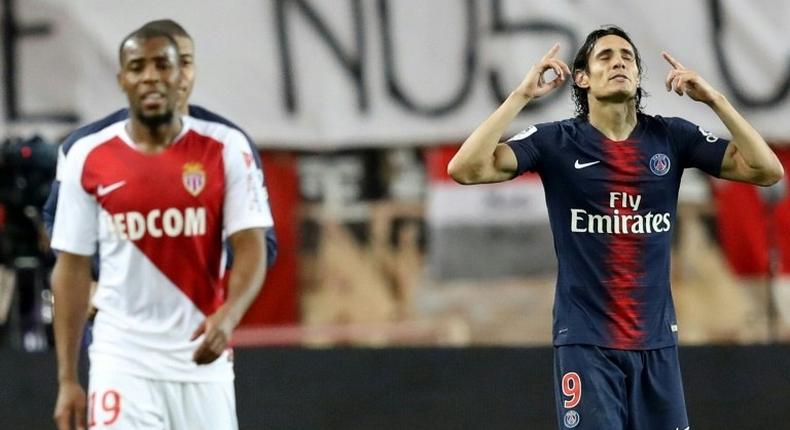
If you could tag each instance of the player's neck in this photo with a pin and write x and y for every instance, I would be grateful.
(154, 139)
(616, 121)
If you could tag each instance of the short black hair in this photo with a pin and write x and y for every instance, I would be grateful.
(581, 62)
(169, 26)
(143, 34)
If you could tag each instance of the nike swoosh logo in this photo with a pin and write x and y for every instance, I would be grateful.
(102, 191)
(583, 165)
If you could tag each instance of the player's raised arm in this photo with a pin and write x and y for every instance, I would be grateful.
(482, 158)
(748, 158)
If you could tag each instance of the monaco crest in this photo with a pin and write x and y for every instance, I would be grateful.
(194, 178)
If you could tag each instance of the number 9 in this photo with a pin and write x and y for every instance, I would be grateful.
(571, 387)
(111, 403)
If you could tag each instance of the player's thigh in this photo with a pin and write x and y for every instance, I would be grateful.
(201, 406)
(657, 402)
(589, 389)
(119, 401)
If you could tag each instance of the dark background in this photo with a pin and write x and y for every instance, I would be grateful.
(432, 388)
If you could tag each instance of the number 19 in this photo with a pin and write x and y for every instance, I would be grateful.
(110, 405)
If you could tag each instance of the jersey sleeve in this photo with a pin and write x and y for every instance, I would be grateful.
(271, 238)
(697, 147)
(246, 204)
(76, 217)
(526, 145)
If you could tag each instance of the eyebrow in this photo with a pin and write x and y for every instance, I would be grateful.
(610, 50)
(142, 58)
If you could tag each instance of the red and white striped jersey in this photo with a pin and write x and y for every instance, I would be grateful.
(158, 221)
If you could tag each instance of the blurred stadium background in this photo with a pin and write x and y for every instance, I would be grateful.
(401, 299)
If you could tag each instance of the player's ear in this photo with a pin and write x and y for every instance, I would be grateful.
(581, 79)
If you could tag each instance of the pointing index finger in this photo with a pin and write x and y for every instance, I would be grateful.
(672, 61)
(552, 52)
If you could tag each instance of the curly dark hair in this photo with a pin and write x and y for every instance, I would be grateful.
(581, 62)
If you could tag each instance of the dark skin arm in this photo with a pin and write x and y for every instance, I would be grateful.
(71, 281)
(246, 279)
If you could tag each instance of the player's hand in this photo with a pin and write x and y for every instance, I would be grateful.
(70, 407)
(535, 85)
(684, 81)
(216, 331)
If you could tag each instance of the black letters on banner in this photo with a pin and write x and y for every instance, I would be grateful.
(470, 60)
(352, 62)
(742, 96)
(501, 26)
(12, 33)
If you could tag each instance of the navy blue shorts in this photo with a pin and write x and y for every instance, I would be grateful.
(598, 388)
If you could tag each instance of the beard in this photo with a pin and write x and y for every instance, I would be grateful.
(620, 94)
(154, 121)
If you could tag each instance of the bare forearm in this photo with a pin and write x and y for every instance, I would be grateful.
(71, 289)
(477, 152)
(485, 138)
(248, 274)
(481, 158)
(751, 146)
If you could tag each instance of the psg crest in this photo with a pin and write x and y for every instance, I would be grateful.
(659, 164)
(571, 419)
(194, 178)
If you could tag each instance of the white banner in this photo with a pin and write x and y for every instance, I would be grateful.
(323, 74)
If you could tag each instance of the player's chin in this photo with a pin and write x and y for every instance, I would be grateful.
(153, 111)
(620, 95)
(156, 117)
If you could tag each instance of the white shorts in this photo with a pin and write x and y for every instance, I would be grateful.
(119, 401)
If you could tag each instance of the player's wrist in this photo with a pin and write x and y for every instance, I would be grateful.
(68, 379)
(228, 320)
(717, 101)
(228, 325)
(519, 97)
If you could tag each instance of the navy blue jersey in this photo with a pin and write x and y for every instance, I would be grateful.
(48, 211)
(612, 208)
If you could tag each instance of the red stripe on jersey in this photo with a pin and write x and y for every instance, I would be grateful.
(184, 180)
(623, 260)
